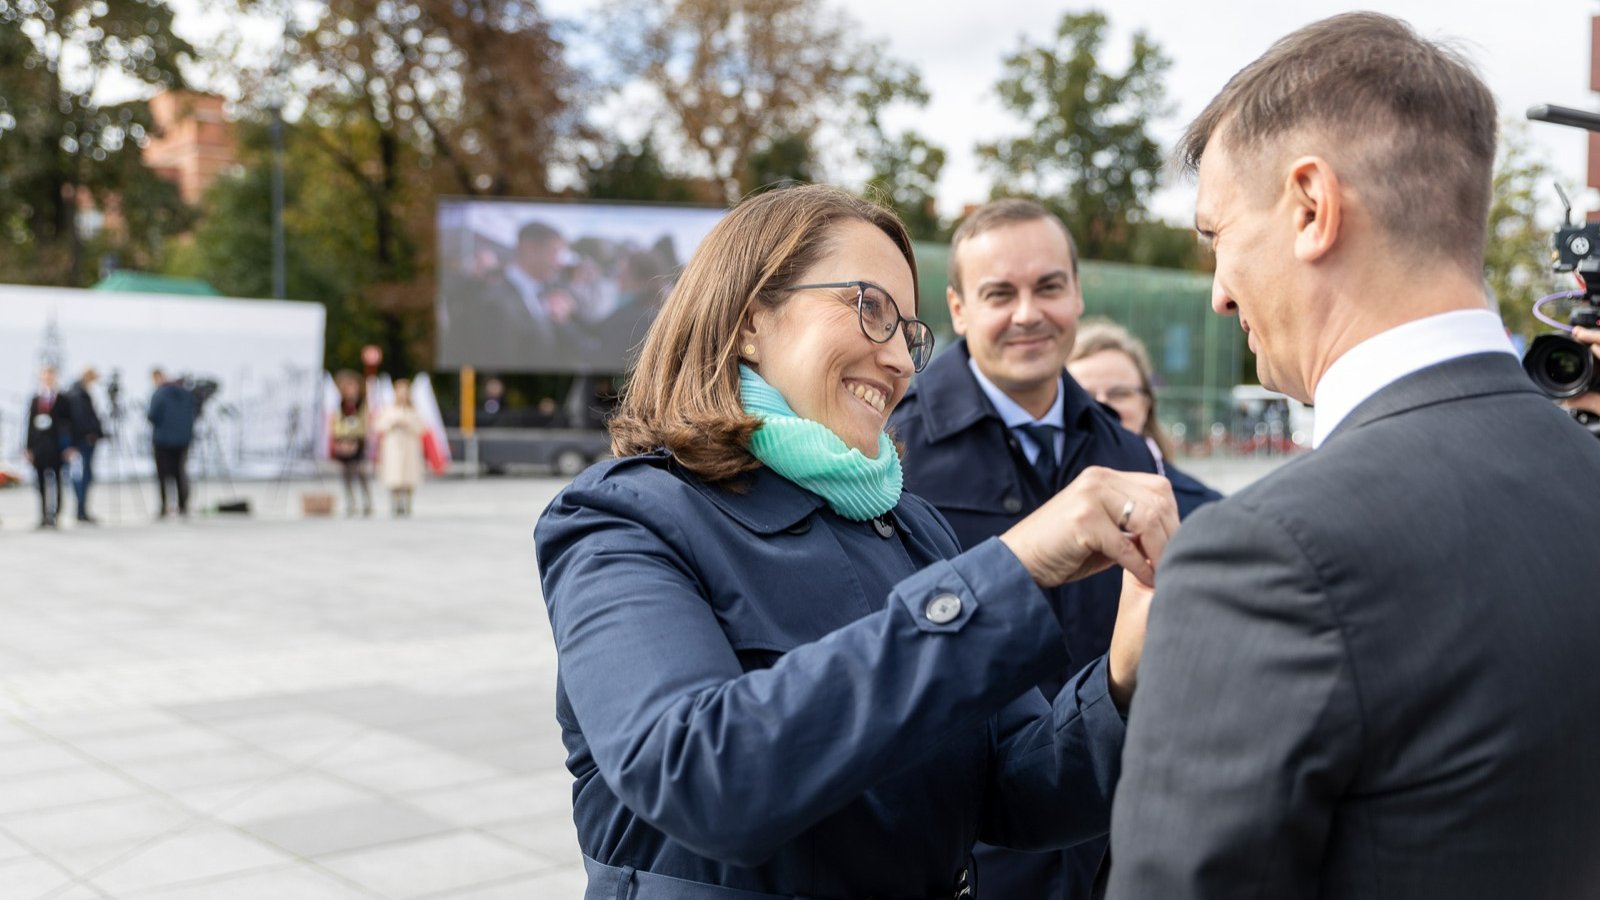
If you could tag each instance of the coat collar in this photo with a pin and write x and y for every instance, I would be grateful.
(951, 401)
(1468, 376)
(769, 504)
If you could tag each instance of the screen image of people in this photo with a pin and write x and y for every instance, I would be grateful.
(555, 287)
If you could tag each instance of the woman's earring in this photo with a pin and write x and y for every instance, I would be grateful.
(750, 351)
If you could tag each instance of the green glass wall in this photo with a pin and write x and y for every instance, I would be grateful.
(1197, 354)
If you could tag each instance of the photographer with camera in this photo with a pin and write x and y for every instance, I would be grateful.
(172, 414)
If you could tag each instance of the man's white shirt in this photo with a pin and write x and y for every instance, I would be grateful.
(1387, 357)
(1013, 414)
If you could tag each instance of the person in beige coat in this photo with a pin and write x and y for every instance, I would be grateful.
(400, 429)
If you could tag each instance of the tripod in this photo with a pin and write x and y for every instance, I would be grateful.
(116, 440)
(212, 458)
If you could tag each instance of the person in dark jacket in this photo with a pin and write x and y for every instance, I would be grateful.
(996, 426)
(48, 445)
(1113, 366)
(780, 674)
(86, 433)
(172, 414)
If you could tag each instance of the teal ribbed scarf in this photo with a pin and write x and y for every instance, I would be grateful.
(812, 456)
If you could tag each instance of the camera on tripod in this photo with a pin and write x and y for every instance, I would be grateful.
(1562, 367)
(1559, 365)
(202, 389)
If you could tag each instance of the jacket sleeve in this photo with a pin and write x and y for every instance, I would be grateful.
(731, 763)
(1246, 727)
(1056, 766)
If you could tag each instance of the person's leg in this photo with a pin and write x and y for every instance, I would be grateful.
(40, 475)
(405, 495)
(366, 491)
(84, 477)
(180, 472)
(163, 474)
(347, 473)
(58, 493)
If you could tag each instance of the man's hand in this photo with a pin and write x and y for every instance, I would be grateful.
(1084, 530)
(1127, 639)
(1590, 336)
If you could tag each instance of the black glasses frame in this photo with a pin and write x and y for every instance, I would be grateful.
(903, 324)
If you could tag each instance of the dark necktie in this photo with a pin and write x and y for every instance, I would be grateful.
(1044, 437)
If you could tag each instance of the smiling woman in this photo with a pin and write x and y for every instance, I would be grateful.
(779, 675)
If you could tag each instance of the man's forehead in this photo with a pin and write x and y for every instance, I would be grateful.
(1016, 252)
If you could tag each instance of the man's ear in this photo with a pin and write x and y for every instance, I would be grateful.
(958, 317)
(1316, 200)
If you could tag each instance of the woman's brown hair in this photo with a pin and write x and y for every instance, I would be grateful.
(1097, 335)
(683, 394)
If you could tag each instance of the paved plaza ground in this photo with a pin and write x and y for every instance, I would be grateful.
(280, 707)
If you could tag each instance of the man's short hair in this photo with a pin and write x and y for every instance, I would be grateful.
(537, 233)
(1413, 120)
(998, 214)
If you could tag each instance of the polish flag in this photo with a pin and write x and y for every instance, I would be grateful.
(435, 445)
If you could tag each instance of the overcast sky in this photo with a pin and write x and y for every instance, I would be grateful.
(1529, 51)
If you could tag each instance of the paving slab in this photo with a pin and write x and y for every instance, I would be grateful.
(234, 707)
(275, 706)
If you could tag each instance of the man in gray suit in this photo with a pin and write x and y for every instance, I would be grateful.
(1371, 674)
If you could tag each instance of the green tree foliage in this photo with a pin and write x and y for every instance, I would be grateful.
(782, 160)
(328, 253)
(743, 88)
(1089, 155)
(1517, 253)
(405, 100)
(60, 148)
(636, 173)
(904, 166)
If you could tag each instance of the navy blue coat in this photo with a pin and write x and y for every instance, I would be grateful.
(753, 695)
(961, 457)
(172, 413)
(1190, 492)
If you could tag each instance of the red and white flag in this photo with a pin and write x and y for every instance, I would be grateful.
(435, 444)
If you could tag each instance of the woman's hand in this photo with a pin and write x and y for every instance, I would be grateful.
(1127, 639)
(1103, 518)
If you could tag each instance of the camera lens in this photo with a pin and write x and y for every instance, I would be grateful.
(1560, 366)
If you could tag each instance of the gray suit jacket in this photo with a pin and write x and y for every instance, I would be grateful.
(1372, 674)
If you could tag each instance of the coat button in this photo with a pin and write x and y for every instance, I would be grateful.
(883, 526)
(1012, 504)
(800, 527)
(943, 609)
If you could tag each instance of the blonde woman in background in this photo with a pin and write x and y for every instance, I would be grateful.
(1114, 368)
(400, 429)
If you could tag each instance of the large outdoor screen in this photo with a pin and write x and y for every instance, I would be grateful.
(556, 287)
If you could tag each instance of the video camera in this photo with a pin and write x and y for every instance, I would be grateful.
(204, 389)
(1560, 366)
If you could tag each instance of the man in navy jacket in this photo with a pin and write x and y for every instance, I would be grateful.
(172, 414)
(995, 426)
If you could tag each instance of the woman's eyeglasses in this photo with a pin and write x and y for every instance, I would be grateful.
(880, 317)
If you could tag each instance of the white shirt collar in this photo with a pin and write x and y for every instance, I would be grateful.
(1389, 356)
(1013, 414)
